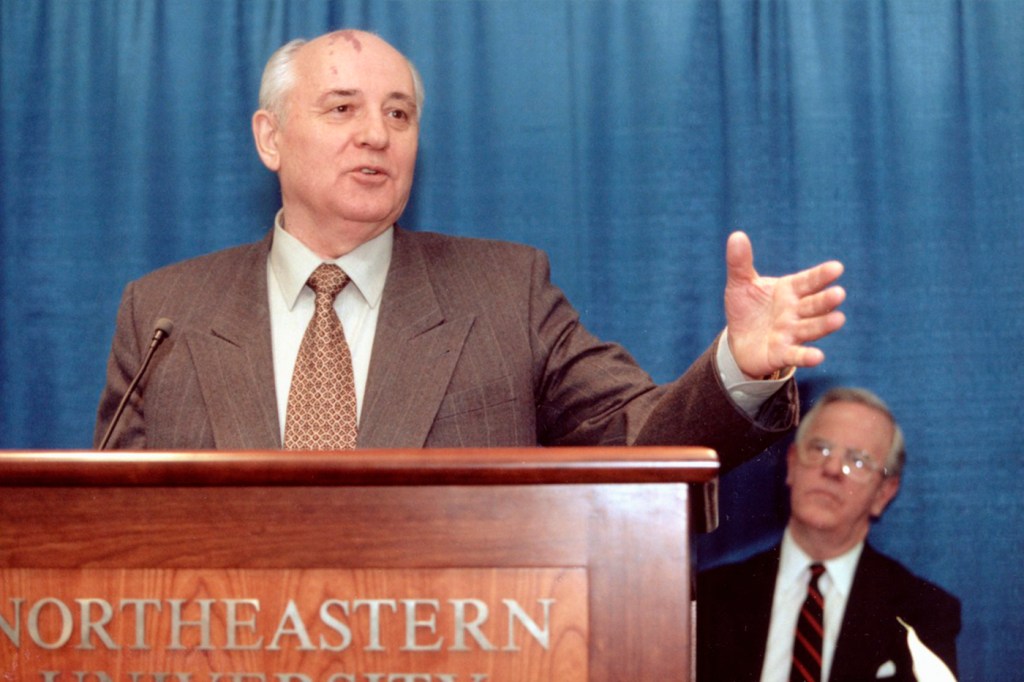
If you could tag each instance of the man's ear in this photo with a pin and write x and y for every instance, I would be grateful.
(790, 463)
(883, 496)
(264, 132)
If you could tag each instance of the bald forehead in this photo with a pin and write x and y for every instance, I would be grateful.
(355, 44)
(344, 55)
(348, 38)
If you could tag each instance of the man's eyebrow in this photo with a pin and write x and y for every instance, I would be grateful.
(401, 97)
(336, 93)
(396, 95)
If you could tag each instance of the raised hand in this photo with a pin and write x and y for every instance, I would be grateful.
(771, 319)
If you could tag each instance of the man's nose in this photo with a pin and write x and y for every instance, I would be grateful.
(833, 464)
(374, 131)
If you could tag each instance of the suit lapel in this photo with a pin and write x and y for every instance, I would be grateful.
(415, 351)
(234, 361)
(870, 634)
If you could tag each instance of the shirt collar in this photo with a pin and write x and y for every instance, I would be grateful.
(293, 262)
(794, 561)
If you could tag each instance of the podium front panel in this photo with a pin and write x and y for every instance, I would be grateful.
(567, 582)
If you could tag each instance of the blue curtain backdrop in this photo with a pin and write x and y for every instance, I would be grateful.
(625, 138)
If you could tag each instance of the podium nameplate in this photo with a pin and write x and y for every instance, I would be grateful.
(296, 625)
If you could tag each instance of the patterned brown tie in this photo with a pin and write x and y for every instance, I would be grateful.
(322, 398)
(809, 632)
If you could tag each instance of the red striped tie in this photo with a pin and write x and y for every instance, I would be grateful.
(809, 629)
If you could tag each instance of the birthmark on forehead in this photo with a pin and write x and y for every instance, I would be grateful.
(348, 36)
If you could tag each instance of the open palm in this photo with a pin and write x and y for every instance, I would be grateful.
(771, 319)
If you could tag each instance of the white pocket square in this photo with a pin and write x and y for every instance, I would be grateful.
(887, 669)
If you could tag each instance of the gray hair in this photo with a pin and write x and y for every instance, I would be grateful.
(279, 78)
(897, 455)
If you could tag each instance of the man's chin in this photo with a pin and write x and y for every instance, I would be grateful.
(371, 216)
(819, 512)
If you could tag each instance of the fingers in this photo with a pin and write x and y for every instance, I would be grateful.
(814, 328)
(739, 257)
(820, 303)
(805, 356)
(816, 309)
(786, 345)
(813, 280)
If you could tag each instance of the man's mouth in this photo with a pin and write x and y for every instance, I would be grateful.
(369, 171)
(832, 496)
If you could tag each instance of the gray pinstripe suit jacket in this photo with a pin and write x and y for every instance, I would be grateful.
(474, 347)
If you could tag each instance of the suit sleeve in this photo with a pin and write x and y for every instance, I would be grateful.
(696, 410)
(591, 392)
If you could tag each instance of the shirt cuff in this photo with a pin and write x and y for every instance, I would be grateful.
(747, 392)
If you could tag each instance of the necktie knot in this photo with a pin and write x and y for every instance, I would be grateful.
(327, 280)
(817, 570)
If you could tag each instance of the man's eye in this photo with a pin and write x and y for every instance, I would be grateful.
(863, 461)
(399, 114)
(342, 108)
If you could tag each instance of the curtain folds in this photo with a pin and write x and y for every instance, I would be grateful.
(627, 139)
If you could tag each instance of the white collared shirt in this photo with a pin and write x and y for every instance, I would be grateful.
(291, 305)
(790, 592)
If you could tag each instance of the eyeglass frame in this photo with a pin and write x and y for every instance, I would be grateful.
(858, 465)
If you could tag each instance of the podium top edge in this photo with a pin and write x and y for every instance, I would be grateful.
(397, 467)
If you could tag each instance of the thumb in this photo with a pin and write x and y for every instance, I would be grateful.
(739, 259)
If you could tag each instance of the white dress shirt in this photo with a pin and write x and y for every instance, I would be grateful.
(747, 392)
(358, 305)
(291, 305)
(790, 593)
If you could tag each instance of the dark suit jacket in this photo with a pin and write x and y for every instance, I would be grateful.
(474, 347)
(734, 605)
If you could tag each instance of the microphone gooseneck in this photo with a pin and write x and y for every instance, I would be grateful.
(162, 329)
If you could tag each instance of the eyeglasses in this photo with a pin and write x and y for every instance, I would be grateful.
(857, 464)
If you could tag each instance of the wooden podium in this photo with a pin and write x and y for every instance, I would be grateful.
(475, 565)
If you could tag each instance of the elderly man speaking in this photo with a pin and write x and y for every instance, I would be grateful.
(340, 329)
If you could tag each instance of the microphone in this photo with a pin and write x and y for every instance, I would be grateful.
(161, 332)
